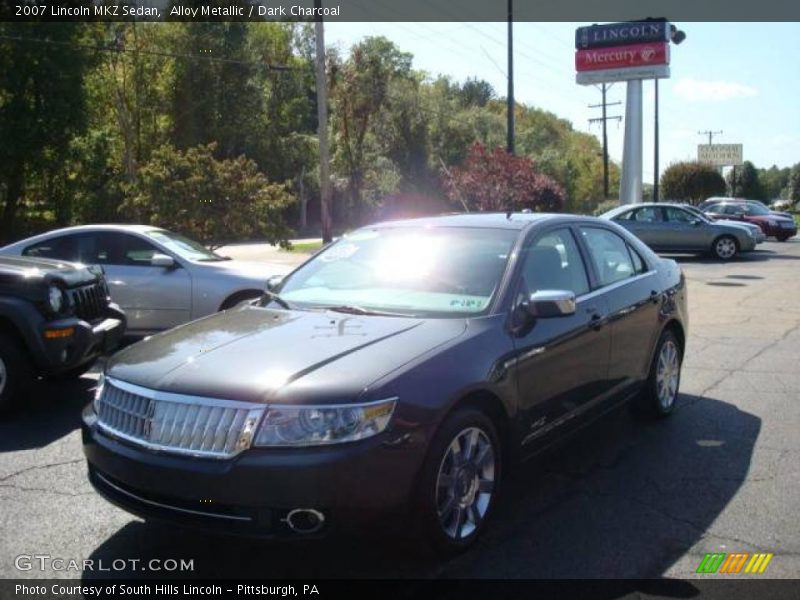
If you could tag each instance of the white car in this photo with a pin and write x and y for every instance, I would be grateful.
(159, 278)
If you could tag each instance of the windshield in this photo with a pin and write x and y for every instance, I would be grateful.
(183, 246)
(407, 271)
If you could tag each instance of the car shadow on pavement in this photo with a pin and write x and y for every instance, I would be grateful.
(622, 499)
(51, 411)
(748, 257)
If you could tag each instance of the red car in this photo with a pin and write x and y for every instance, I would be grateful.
(777, 225)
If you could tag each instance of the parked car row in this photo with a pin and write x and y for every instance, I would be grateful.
(724, 228)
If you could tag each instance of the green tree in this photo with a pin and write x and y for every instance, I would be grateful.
(747, 184)
(691, 182)
(42, 106)
(359, 90)
(774, 181)
(216, 201)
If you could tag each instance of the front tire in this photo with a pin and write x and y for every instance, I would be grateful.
(725, 247)
(783, 238)
(459, 482)
(660, 393)
(16, 373)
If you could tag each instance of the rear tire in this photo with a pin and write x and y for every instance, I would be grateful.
(725, 247)
(16, 373)
(658, 398)
(458, 486)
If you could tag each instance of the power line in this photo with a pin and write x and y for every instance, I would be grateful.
(120, 50)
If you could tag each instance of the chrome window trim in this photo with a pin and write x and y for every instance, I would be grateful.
(614, 286)
(168, 506)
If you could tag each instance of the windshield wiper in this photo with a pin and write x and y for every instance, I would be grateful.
(273, 297)
(353, 309)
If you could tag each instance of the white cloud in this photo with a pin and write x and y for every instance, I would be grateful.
(696, 90)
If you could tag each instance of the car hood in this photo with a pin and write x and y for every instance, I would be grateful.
(250, 269)
(66, 273)
(260, 355)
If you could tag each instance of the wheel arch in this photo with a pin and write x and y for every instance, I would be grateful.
(234, 298)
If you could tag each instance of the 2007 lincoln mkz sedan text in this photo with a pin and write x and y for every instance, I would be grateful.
(405, 366)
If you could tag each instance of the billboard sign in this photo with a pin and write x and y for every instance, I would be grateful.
(619, 34)
(625, 74)
(720, 155)
(618, 57)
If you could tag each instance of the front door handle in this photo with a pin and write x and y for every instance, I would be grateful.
(654, 296)
(596, 320)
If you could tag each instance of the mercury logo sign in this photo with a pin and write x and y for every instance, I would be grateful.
(648, 53)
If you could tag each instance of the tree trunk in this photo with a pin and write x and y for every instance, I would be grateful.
(14, 193)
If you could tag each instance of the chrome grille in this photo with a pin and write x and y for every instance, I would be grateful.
(90, 301)
(176, 423)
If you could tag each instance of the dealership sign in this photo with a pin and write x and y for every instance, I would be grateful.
(626, 74)
(619, 57)
(720, 155)
(620, 34)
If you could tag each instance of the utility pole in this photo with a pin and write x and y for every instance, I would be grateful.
(322, 129)
(655, 147)
(710, 135)
(604, 88)
(510, 108)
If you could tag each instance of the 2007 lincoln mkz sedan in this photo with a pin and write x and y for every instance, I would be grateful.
(405, 366)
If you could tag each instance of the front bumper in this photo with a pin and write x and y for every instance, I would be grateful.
(87, 342)
(251, 493)
(778, 231)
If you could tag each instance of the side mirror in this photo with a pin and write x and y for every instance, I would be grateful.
(274, 282)
(162, 260)
(696, 222)
(550, 303)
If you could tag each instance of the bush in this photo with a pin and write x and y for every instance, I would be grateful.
(691, 182)
(215, 201)
(497, 181)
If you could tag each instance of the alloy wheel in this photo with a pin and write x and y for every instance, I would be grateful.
(465, 483)
(667, 374)
(725, 248)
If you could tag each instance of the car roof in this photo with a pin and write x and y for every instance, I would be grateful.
(514, 220)
(47, 235)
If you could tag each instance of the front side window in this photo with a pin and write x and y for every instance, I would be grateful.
(678, 215)
(554, 262)
(609, 253)
(443, 271)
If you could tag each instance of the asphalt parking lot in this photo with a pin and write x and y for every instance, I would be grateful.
(622, 500)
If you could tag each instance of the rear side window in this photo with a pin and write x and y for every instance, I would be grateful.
(647, 214)
(63, 248)
(610, 255)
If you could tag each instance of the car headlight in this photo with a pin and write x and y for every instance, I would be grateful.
(98, 392)
(55, 299)
(323, 425)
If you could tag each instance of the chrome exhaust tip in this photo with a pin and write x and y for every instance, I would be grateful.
(304, 520)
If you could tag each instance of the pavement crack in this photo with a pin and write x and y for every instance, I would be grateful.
(37, 467)
(23, 488)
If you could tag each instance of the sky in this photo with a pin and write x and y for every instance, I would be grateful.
(739, 78)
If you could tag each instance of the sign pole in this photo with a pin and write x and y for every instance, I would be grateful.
(630, 189)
